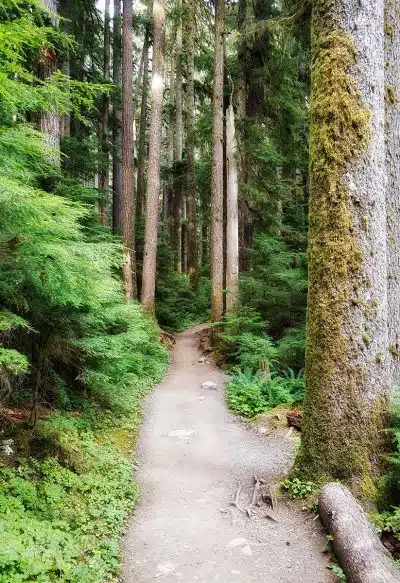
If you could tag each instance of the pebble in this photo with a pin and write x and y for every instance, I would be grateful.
(209, 385)
(237, 542)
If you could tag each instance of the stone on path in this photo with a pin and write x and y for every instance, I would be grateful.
(209, 385)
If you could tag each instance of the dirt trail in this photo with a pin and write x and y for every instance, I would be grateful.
(192, 454)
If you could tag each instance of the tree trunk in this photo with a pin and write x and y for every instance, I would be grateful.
(178, 145)
(153, 176)
(141, 182)
(117, 120)
(217, 181)
(128, 198)
(392, 71)
(190, 143)
(232, 215)
(346, 360)
(171, 136)
(49, 122)
(104, 173)
(356, 544)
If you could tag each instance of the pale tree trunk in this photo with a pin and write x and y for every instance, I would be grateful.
(217, 179)
(153, 176)
(117, 120)
(347, 342)
(128, 198)
(171, 136)
(190, 143)
(241, 107)
(232, 215)
(141, 182)
(178, 145)
(49, 122)
(104, 174)
(392, 71)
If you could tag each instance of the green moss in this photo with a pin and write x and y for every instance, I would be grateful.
(338, 432)
(391, 96)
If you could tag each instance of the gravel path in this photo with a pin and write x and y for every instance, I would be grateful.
(192, 456)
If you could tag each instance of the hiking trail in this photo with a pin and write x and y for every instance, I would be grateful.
(193, 456)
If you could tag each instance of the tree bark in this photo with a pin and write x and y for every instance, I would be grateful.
(117, 120)
(217, 182)
(346, 358)
(141, 182)
(190, 144)
(392, 71)
(178, 145)
(49, 122)
(153, 176)
(232, 215)
(104, 173)
(128, 198)
(355, 542)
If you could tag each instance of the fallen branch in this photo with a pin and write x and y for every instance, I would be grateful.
(355, 542)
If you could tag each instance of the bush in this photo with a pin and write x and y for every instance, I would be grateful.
(249, 394)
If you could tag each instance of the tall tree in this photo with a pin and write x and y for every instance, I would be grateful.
(217, 173)
(141, 182)
(153, 176)
(117, 119)
(104, 173)
(392, 71)
(178, 142)
(232, 214)
(49, 122)
(190, 142)
(128, 198)
(346, 360)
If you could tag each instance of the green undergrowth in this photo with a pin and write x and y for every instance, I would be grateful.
(387, 518)
(261, 368)
(67, 488)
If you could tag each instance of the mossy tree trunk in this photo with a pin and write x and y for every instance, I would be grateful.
(232, 214)
(347, 347)
(153, 175)
(392, 45)
(217, 172)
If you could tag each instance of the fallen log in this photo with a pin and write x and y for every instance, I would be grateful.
(355, 542)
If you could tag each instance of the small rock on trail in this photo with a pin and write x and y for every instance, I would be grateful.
(185, 529)
(209, 386)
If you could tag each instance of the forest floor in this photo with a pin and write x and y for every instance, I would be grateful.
(193, 457)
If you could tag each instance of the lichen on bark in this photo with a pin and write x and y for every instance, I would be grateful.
(341, 430)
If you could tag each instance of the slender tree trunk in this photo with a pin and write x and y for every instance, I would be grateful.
(128, 198)
(171, 136)
(217, 181)
(104, 173)
(141, 183)
(346, 360)
(117, 120)
(49, 122)
(178, 145)
(392, 59)
(153, 176)
(232, 212)
(190, 143)
(241, 107)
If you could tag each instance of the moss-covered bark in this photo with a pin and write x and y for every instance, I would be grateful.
(346, 351)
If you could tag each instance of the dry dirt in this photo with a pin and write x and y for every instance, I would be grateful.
(193, 454)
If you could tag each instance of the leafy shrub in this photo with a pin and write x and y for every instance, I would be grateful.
(297, 488)
(249, 394)
(178, 305)
(291, 348)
